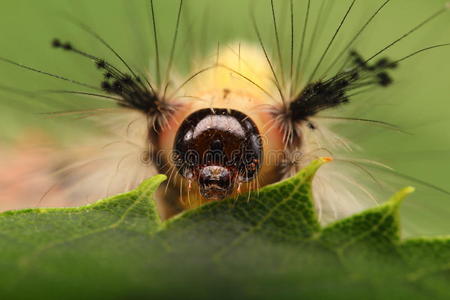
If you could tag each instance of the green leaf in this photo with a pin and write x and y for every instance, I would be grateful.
(30, 236)
(282, 212)
(263, 245)
(375, 231)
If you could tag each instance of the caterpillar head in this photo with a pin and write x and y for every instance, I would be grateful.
(219, 149)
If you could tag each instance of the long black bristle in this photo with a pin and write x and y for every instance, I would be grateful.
(333, 92)
(129, 88)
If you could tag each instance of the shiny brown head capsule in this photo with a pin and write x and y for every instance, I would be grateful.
(218, 149)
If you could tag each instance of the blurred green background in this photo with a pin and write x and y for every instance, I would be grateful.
(419, 101)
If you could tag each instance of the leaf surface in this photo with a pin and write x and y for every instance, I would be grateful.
(263, 245)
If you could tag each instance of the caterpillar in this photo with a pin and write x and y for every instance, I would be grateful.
(239, 115)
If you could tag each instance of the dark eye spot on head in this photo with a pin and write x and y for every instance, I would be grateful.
(217, 145)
